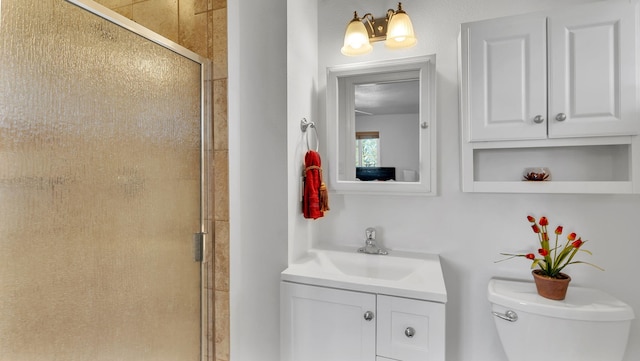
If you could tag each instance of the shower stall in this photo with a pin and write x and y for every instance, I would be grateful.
(103, 137)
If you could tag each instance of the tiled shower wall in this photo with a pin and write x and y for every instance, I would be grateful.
(201, 26)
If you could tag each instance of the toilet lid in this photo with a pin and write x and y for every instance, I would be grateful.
(580, 304)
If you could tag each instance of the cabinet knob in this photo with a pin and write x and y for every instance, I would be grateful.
(368, 315)
(561, 117)
(409, 332)
(538, 119)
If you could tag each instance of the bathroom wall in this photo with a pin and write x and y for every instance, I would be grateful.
(469, 230)
(259, 170)
(201, 26)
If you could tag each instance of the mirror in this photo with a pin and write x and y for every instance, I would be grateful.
(382, 129)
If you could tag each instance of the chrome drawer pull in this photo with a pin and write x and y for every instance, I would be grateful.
(409, 332)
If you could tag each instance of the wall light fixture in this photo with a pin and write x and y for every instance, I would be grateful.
(395, 29)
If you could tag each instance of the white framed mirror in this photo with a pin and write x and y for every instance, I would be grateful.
(382, 129)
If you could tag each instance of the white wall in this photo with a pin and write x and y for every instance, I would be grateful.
(302, 65)
(468, 230)
(257, 174)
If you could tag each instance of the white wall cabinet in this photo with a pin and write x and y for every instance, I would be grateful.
(546, 86)
(591, 74)
(320, 323)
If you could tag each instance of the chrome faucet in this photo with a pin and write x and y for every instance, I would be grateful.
(370, 246)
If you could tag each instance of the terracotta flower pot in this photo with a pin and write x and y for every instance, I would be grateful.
(551, 288)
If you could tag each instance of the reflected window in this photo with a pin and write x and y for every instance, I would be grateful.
(367, 149)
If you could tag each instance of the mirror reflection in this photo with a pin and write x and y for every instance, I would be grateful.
(386, 136)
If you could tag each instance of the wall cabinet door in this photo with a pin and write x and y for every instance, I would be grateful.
(506, 63)
(592, 70)
(321, 324)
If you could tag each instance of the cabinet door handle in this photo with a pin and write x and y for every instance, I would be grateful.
(561, 117)
(538, 119)
(409, 332)
(368, 315)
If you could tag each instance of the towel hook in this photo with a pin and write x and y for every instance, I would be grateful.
(304, 124)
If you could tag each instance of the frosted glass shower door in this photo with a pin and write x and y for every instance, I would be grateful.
(100, 190)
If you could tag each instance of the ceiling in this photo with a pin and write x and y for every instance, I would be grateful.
(400, 97)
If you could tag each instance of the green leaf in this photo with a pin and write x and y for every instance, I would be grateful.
(590, 264)
(535, 263)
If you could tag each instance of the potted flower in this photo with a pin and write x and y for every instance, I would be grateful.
(550, 259)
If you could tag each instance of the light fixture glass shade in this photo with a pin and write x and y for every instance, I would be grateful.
(400, 31)
(356, 39)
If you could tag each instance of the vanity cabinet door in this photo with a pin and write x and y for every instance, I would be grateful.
(592, 70)
(504, 65)
(320, 324)
(410, 330)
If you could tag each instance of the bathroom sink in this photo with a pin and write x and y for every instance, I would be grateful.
(408, 274)
(387, 267)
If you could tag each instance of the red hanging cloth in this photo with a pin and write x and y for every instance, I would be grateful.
(315, 200)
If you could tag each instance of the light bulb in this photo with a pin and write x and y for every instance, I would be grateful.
(400, 31)
(356, 38)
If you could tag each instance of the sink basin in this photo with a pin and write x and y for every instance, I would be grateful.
(407, 274)
(387, 267)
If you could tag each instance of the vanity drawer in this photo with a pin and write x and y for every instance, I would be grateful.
(410, 329)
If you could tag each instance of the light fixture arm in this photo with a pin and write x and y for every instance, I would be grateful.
(377, 28)
(369, 20)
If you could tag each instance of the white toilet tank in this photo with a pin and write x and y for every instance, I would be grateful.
(588, 325)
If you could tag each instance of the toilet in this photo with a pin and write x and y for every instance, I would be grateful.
(588, 325)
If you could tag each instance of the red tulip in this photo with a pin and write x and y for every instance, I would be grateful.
(551, 258)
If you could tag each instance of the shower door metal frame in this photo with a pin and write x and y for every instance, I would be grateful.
(205, 139)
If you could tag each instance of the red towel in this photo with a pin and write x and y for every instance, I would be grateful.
(315, 199)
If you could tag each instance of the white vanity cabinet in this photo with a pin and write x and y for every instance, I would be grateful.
(321, 323)
(556, 90)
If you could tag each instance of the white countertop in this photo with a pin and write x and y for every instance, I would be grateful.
(403, 274)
